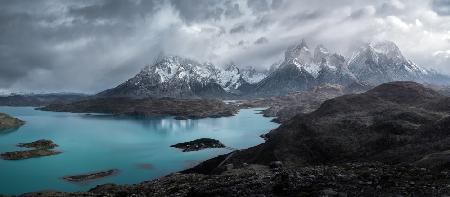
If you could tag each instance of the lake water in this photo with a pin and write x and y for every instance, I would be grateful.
(138, 147)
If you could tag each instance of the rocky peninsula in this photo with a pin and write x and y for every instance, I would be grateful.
(8, 122)
(199, 144)
(180, 108)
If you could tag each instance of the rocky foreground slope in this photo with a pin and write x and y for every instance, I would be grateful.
(392, 140)
(350, 179)
(397, 122)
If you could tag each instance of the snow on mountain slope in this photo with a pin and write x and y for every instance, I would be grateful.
(301, 69)
(300, 55)
(252, 76)
(379, 62)
(175, 76)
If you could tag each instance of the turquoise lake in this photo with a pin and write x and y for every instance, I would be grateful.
(138, 147)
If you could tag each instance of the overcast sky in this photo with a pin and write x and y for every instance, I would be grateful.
(87, 46)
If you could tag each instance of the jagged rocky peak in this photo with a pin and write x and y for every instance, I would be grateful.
(320, 53)
(298, 54)
(376, 51)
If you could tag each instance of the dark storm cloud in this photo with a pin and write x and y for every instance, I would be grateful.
(198, 10)
(363, 12)
(21, 44)
(258, 5)
(114, 9)
(238, 29)
(276, 4)
(261, 40)
(442, 7)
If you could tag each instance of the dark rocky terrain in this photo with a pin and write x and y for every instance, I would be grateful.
(349, 179)
(181, 108)
(397, 122)
(39, 148)
(36, 100)
(8, 122)
(199, 144)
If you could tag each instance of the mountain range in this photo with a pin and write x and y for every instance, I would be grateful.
(301, 69)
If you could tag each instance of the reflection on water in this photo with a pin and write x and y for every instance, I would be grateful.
(138, 146)
(161, 124)
(8, 131)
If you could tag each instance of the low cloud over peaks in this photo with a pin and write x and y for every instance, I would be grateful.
(88, 46)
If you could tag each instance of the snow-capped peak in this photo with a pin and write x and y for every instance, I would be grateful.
(387, 48)
(301, 56)
(175, 69)
(379, 62)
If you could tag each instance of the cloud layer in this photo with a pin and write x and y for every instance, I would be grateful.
(87, 46)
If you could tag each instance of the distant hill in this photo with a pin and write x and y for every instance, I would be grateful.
(36, 100)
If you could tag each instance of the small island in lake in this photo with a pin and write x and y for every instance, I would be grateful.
(39, 144)
(91, 176)
(26, 154)
(8, 122)
(40, 148)
(199, 144)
